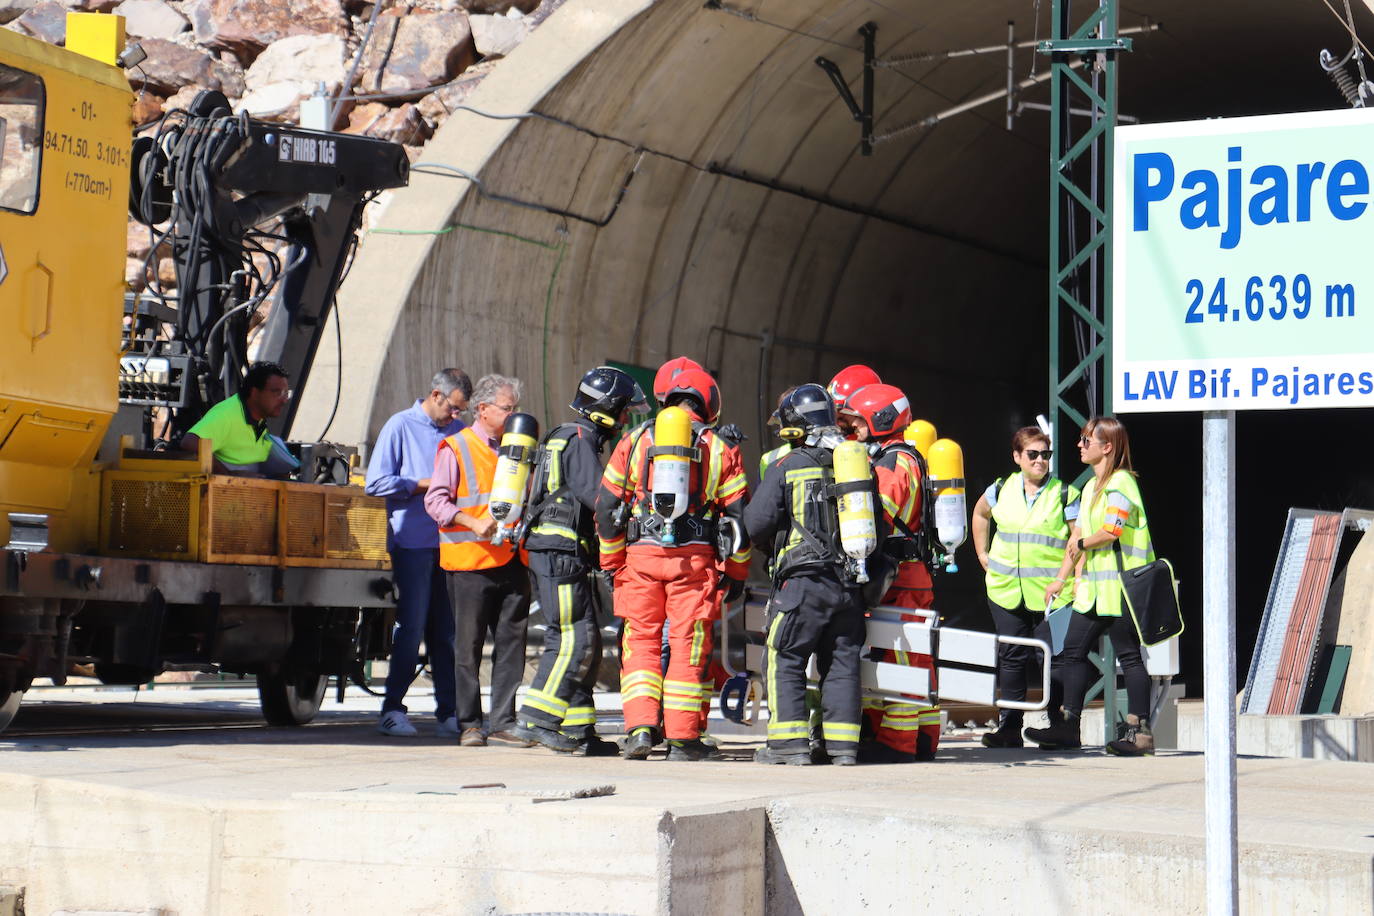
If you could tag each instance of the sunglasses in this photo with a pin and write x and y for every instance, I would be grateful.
(1086, 441)
(1033, 455)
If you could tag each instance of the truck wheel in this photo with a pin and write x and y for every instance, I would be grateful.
(9, 705)
(291, 698)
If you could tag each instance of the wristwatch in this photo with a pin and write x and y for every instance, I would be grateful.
(1081, 547)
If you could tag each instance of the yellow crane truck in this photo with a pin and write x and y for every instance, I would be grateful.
(120, 550)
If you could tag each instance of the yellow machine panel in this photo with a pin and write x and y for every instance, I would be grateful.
(64, 185)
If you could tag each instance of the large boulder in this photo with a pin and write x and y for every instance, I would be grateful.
(247, 26)
(442, 102)
(412, 53)
(11, 10)
(497, 36)
(307, 59)
(401, 125)
(151, 19)
(171, 66)
(46, 21)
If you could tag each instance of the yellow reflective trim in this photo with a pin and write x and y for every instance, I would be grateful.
(889, 506)
(772, 686)
(842, 731)
(733, 486)
(682, 688)
(782, 731)
(635, 677)
(553, 706)
(625, 651)
(547, 528)
(713, 479)
(565, 636)
(579, 715)
(613, 477)
(698, 637)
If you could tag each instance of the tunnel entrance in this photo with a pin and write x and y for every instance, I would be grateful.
(690, 182)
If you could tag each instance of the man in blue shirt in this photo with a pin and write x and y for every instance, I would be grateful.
(399, 469)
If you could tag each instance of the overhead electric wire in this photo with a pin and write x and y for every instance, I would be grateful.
(1349, 25)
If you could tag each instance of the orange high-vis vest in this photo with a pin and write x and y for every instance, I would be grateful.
(459, 547)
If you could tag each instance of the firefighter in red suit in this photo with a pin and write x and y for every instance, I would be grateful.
(880, 413)
(679, 586)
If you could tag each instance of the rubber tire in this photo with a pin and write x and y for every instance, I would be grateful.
(291, 699)
(9, 706)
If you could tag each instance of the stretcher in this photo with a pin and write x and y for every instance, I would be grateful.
(965, 661)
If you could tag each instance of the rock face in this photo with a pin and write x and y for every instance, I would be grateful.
(151, 19)
(306, 59)
(498, 6)
(412, 53)
(247, 26)
(497, 36)
(171, 65)
(46, 21)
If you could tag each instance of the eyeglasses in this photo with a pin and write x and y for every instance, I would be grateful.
(1086, 441)
(1033, 455)
(504, 408)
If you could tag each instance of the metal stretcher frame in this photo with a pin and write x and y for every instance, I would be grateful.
(968, 675)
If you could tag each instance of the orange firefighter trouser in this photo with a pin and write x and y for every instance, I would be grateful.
(897, 724)
(680, 589)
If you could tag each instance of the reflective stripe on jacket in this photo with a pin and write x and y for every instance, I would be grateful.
(1100, 585)
(1028, 547)
(459, 547)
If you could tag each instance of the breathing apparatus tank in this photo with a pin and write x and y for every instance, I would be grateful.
(920, 435)
(946, 460)
(854, 492)
(672, 457)
(510, 481)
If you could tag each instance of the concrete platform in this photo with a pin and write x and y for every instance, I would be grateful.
(194, 807)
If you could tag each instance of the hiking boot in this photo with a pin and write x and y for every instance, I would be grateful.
(509, 738)
(692, 750)
(1008, 734)
(472, 737)
(639, 744)
(547, 737)
(791, 758)
(1138, 741)
(1062, 734)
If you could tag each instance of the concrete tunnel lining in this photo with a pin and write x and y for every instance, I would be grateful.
(691, 262)
(954, 309)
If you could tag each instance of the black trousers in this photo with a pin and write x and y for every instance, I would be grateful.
(497, 602)
(1078, 673)
(815, 614)
(1012, 660)
(561, 693)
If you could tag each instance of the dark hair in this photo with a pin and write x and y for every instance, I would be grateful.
(446, 380)
(1113, 433)
(1025, 436)
(259, 374)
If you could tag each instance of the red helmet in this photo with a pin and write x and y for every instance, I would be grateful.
(697, 384)
(663, 379)
(883, 407)
(849, 380)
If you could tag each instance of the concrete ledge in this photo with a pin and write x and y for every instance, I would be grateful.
(1348, 738)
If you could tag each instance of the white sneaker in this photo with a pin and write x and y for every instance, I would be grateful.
(395, 725)
(447, 728)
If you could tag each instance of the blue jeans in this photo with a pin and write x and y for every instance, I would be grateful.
(422, 612)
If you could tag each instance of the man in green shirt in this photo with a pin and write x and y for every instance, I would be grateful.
(237, 426)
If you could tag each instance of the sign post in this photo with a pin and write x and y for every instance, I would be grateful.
(1239, 265)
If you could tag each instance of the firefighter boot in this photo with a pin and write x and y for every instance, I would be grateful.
(1008, 733)
(547, 737)
(1138, 741)
(693, 750)
(1063, 734)
(795, 759)
(590, 744)
(639, 743)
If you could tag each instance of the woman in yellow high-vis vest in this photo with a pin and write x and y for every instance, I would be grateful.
(1112, 517)
(1034, 514)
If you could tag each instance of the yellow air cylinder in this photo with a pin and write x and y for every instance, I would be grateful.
(920, 435)
(858, 524)
(946, 461)
(510, 481)
(672, 456)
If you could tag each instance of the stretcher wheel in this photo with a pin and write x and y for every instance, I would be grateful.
(291, 698)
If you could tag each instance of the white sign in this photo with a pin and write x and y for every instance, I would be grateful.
(1242, 268)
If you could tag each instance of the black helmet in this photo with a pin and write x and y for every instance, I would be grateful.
(604, 393)
(808, 408)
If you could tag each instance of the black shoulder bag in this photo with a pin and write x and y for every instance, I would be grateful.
(1151, 595)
